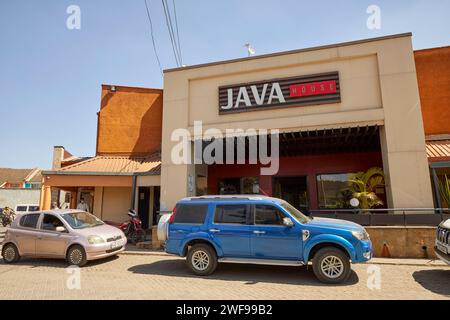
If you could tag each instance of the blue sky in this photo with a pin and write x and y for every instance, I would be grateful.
(50, 76)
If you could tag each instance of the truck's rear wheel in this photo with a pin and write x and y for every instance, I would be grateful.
(202, 259)
(331, 265)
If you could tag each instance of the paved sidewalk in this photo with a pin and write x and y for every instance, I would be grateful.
(167, 277)
(132, 250)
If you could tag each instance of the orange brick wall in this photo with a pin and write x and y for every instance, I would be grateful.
(129, 121)
(433, 75)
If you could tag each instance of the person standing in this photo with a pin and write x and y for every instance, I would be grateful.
(83, 206)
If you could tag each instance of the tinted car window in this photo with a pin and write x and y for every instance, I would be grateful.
(191, 213)
(33, 208)
(268, 215)
(230, 213)
(21, 209)
(29, 220)
(50, 222)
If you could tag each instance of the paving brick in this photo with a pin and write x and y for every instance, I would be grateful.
(167, 277)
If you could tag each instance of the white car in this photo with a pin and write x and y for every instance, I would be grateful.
(442, 247)
(25, 208)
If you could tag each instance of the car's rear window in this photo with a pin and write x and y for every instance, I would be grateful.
(29, 220)
(231, 214)
(191, 213)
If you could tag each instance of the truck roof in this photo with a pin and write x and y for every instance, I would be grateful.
(232, 198)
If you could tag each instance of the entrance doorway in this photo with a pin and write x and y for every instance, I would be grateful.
(294, 190)
(144, 206)
(156, 194)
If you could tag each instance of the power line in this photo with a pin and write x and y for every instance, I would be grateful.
(178, 33)
(153, 37)
(171, 33)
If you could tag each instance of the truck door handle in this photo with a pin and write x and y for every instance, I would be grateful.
(214, 230)
(259, 232)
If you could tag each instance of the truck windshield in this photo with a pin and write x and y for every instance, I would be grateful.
(81, 220)
(300, 217)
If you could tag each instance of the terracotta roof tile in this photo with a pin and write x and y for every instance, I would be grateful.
(117, 164)
(18, 175)
(438, 150)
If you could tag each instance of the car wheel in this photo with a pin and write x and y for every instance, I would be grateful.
(76, 256)
(202, 259)
(10, 253)
(331, 265)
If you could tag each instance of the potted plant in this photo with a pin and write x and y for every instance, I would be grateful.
(363, 185)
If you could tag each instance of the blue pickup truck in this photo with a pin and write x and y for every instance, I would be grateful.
(208, 230)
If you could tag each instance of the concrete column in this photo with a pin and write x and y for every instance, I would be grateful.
(46, 197)
(402, 137)
(97, 210)
(73, 199)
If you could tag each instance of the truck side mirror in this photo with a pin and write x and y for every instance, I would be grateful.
(288, 222)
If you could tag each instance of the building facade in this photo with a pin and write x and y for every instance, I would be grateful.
(370, 117)
(19, 186)
(365, 106)
(124, 173)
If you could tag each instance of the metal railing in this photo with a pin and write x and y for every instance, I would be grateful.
(388, 217)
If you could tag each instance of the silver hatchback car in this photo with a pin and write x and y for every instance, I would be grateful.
(73, 235)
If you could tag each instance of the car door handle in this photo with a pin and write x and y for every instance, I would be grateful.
(214, 230)
(259, 232)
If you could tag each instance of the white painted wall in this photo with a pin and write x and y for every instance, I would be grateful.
(12, 197)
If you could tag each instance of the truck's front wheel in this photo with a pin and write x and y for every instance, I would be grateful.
(331, 265)
(202, 259)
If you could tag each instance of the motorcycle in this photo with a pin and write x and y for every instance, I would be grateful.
(132, 228)
(8, 216)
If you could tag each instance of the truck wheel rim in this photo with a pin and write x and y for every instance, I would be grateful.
(332, 267)
(76, 256)
(200, 260)
(9, 254)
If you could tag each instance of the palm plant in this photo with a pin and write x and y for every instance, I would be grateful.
(444, 190)
(363, 184)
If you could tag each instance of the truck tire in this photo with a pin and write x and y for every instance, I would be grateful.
(331, 265)
(202, 259)
(163, 225)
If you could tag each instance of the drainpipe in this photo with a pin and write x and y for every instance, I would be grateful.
(133, 191)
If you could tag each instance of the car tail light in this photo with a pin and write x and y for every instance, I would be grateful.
(172, 216)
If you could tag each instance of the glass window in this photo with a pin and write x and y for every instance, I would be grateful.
(333, 191)
(33, 208)
(29, 220)
(268, 215)
(21, 208)
(50, 222)
(230, 213)
(81, 220)
(244, 185)
(201, 185)
(191, 213)
(295, 213)
(229, 186)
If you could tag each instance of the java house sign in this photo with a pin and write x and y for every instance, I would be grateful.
(280, 93)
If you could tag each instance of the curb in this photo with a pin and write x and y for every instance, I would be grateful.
(144, 253)
(428, 263)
